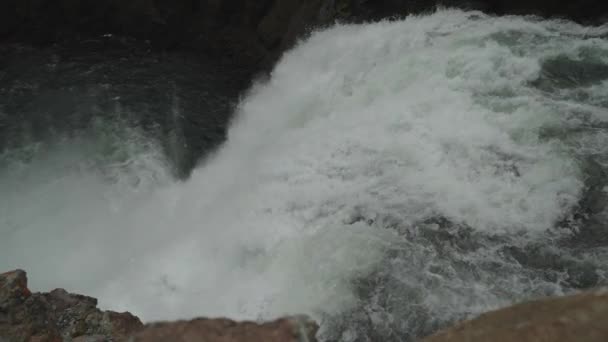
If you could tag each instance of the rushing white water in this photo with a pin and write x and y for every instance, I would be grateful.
(341, 176)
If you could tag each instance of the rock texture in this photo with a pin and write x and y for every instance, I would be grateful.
(60, 316)
(56, 316)
(581, 318)
(253, 31)
(296, 329)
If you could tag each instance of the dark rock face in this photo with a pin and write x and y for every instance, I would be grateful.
(60, 316)
(57, 315)
(586, 11)
(253, 31)
(249, 30)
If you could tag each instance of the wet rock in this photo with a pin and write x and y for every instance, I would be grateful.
(56, 316)
(61, 316)
(254, 32)
(580, 317)
(296, 329)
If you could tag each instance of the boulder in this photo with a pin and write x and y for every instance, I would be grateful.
(59, 316)
(582, 318)
(56, 316)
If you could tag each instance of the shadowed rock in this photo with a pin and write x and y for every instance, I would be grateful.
(255, 32)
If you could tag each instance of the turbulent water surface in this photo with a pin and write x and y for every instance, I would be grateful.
(387, 179)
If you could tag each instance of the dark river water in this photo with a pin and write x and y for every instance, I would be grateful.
(184, 101)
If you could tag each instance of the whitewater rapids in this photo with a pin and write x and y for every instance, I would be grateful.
(386, 179)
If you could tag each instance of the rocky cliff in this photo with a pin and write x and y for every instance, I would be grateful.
(61, 316)
(253, 31)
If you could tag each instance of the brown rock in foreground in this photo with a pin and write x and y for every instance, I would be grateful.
(296, 329)
(60, 316)
(56, 316)
(580, 318)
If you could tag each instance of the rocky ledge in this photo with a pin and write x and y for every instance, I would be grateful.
(61, 316)
(582, 318)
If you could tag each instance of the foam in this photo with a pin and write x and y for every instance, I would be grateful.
(359, 125)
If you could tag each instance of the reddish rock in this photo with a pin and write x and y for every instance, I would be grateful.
(45, 338)
(122, 324)
(55, 316)
(294, 329)
(13, 285)
(581, 318)
(61, 316)
(90, 338)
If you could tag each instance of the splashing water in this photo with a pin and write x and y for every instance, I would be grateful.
(387, 179)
